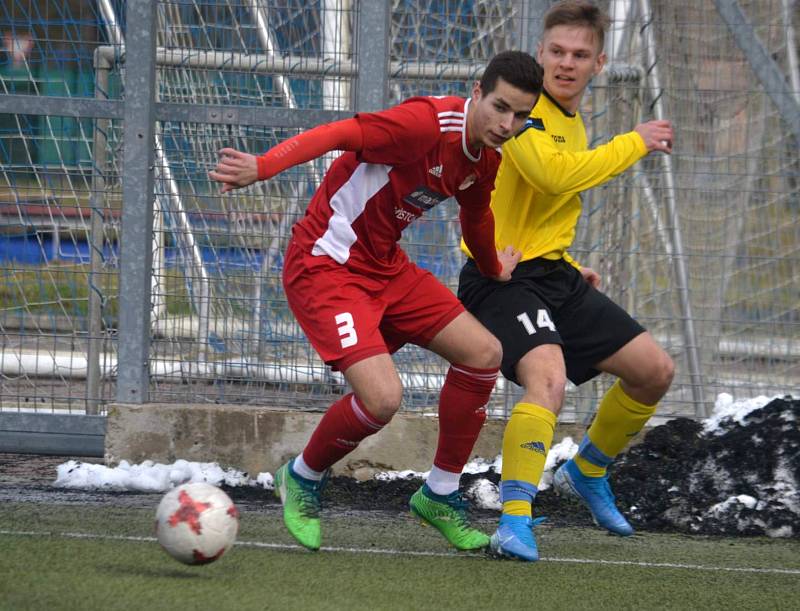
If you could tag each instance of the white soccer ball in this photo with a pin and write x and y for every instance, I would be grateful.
(196, 523)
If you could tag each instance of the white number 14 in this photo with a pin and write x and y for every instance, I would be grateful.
(542, 321)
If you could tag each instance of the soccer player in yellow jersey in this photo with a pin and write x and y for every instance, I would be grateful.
(551, 319)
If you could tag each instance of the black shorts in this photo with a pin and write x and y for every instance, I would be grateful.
(547, 302)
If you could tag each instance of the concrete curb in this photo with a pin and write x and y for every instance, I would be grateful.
(259, 439)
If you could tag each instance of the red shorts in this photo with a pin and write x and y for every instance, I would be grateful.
(348, 317)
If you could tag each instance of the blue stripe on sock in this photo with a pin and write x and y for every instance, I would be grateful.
(591, 453)
(517, 490)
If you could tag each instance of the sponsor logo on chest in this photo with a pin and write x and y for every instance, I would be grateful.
(421, 199)
(424, 198)
(401, 214)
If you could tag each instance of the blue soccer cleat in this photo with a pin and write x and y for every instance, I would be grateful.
(596, 493)
(514, 538)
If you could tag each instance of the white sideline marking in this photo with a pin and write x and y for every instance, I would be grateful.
(396, 552)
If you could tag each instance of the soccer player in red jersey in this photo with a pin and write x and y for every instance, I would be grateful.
(359, 298)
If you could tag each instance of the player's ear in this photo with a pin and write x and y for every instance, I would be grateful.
(477, 92)
(539, 52)
(601, 61)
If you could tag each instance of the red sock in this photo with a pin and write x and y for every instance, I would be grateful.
(462, 412)
(339, 432)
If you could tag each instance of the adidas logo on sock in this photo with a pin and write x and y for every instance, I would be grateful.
(436, 171)
(536, 446)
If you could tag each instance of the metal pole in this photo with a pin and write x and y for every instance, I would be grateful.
(137, 208)
(530, 14)
(293, 65)
(335, 48)
(765, 69)
(200, 295)
(272, 49)
(791, 48)
(679, 258)
(622, 15)
(112, 28)
(373, 39)
(96, 241)
(269, 44)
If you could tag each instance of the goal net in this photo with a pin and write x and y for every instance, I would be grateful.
(702, 248)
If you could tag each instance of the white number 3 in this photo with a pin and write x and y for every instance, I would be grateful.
(542, 321)
(347, 331)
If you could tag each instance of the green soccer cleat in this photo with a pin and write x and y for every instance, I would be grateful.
(301, 505)
(449, 516)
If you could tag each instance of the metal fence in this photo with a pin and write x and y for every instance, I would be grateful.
(127, 277)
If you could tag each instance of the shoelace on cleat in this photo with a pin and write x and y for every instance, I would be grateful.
(308, 502)
(308, 497)
(459, 506)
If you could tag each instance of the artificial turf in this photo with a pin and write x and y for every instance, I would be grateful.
(60, 571)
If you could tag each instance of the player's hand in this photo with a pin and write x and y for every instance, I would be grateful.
(508, 257)
(657, 135)
(234, 169)
(591, 276)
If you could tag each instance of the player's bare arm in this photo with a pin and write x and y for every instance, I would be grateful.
(657, 135)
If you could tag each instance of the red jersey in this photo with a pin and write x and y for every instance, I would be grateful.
(414, 157)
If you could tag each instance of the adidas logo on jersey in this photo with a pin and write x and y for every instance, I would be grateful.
(436, 171)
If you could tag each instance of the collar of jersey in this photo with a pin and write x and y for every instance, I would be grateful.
(464, 146)
(571, 115)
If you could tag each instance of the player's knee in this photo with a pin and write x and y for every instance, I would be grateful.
(552, 387)
(662, 374)
(384, 401)
(545, 388)
(654, 377)
(488, 352)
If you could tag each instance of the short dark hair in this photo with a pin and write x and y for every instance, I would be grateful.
(516, 68)
(581, 13)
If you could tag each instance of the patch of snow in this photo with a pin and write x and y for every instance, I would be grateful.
(783, 531)
(563, 450)
(145, 477)
(387, 476)
(485, 494)
(725, 407)
(266, 481)
(733, 503)
(480, 465)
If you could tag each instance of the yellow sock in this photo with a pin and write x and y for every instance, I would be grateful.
(619, 418)
(526, 442)
(518, 508)
(589, 469)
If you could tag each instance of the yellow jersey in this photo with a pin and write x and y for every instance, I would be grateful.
(536, 199)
